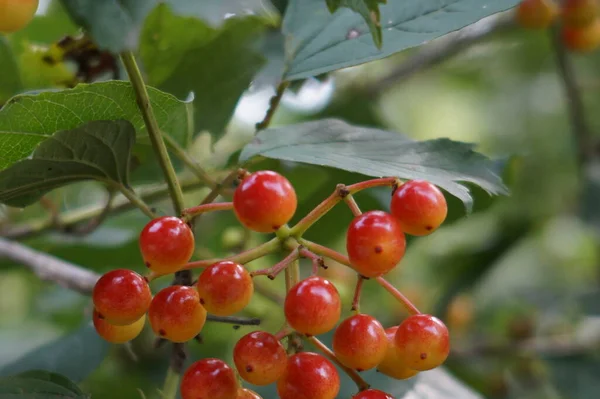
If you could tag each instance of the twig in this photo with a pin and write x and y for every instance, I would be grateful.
(351, 202)
(242, 321)
(273, 105)
(274, 270)
(404, 301)
(357, 291)
(190, 162)
(93, 223)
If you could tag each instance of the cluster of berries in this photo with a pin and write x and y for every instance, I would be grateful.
(580, 20)
(265, 202)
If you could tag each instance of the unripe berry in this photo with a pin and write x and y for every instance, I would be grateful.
(209, 379)
(391, 365)
(121, 296)
(309, 375)
(245, 393)
(359, 342)
(582, 39)
(375, 243)
(176, 313)
(225, 288)
(579, 13)
(422, 342)
(16, 14)
(372, 394)
(264, 201)
(313, 306)
(536, 14)
(118, 334)
(419, 206)
(260, 358)
(166, 243)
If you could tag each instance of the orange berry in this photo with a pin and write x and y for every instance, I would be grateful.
(309, 376)
(422, 342)
(582, 39)
(16, 14)
(245, 393)
(580, 12)
(359, 342)
(118, 334)
(391, 365)
(536, 14)
(225, 288)
(209, 379)
(166, 243)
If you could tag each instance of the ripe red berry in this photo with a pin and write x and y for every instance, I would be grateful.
(166, 243)
(372, 394)
(309, 375)
(121, 296)
(247, 394)
(313, 306)
(582, 39)
(419, 206)
(209, 379)
(536, 14)
(264, 201)
(117, 334)
(375, 243)
(225, 288)
(422, 342)
(259, 358)
(359, 342)
(176, 313)
(579, 13)
(392, 365)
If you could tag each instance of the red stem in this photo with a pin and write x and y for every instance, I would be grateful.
(382, 182)
(192, 212)
(317, 261)
(357, 292)
(351, 202)
(273, 271)
(325, 251)
(412, 309)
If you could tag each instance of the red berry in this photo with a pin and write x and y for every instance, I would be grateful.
(582, 39)
(372, 394)
(209, 379)
(359, 342)
(166, 243)
(264, 201)
(176, 314)
(121, 296)
(247, 394)
(422, 342)
(225, 288)
(309, 376)
(419, 206)
(259, 358)
(536, 14)
(579, 13)
(313, 306)
(375, 243)
(118, 334)
(391, 365)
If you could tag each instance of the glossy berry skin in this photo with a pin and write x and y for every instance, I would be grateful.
(313, 306)
(247, 394)
(260, 358)
(579, 13)
(118, 334)
(359, 342)
(422, 342)
(121, 296)
(309, 376)
(16, 14)
(225, 288)
(582, 39)
(209, 379)
(372, 394)
(536, 14)
(264, 201)
(419, 206)
(176, 313)
(375, 243)
(392, 365)
(166, 244)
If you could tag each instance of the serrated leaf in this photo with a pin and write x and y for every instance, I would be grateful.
(74, 356)
(10, 81)
(28, 119)
(97, 150)
(377, 153)
(368, 9)
(319, 42)
(39, 384)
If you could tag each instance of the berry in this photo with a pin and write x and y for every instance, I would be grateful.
(117, 334)
(121, 296)
(422, 342)
(582, 39)
(360, 342)
(209, 379)
(536, 14)
(579, 13)
(166, 243)
(16, 14)
(372, 394)
(313, 306)
(264, 201)
(176, 313)
(259, 358)
(309, 375)
(391, 365)
(375, 243)
(419, 206)
(225, 288)
(247, 394)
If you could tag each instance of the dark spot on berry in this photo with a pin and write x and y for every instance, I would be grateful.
(428, 228)
(100, 316)
(236, 327)
(162, 332)
(359, 370)
(423, 356)
(249, 369)
(275, 228)
(378, 249)
(147, 264)
(202, 301)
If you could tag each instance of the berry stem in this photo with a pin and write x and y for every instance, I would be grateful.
(324, 251)
(358, 380)
(357, 292)
(317, 261)
(283, 332)
(241, 321)
(381, 182)
(190, 213)
(351, 202)
(273, 271)
(292, 277)
(171, 384)
(412, 309)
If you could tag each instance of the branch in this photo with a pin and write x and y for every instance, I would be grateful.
(273, 105)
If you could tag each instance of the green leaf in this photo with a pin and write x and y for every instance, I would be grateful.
(368, 9)
(39, 384)
(75, 356)
(10, 81)
(44, 375)
(375, 152)
(319, 42)
(217, 65)
(98, 150)
(26, 120)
